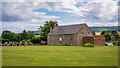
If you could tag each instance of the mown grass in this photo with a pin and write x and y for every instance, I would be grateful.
(60, 56)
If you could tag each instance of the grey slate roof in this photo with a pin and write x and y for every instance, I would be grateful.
(69, 29)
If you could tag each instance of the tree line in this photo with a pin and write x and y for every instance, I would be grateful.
(110, 35)
(8, 36)
(45, 29)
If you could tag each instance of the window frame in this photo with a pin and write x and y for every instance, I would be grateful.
(82, 33)
(60, 39)
(88, 33)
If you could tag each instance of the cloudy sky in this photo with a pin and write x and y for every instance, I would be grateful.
(18, 15)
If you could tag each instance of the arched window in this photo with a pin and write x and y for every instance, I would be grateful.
(60, 39)
(88, 33)
(82, 33)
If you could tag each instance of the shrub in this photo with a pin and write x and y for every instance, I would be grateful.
(26, 40)
(115, 42)
(106, 44)
(88, 45)
(119, 43)
(4, 40)
(35, 40)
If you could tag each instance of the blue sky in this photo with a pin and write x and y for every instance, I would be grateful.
(17, 16)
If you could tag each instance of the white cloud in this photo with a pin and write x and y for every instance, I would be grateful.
(91, 23)
(19, 27)
(101, 12)
(92, 11)
(59, 6)
(95, 12)
(22, 12)
(55, 0)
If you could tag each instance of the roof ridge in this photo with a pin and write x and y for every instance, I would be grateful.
(73, 24)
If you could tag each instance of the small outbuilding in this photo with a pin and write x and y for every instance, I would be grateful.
(96, 40)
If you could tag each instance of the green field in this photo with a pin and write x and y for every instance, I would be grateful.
(60, 56)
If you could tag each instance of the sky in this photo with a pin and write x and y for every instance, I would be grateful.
(17, 15)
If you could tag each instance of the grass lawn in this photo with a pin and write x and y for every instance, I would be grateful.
(60, 56)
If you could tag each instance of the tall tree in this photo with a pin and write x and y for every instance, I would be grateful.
(115, 34)
(108, 37)
(103, 32)
(24, 35)
(46, 29)
(93, 33)
(7, 35)
(30, 34)
(17, 37)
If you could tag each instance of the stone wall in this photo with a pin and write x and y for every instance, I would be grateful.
(85, 30)
(85, 40)
(66, 40)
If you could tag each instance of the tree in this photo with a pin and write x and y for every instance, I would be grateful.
(115, 34)
(24, 35)
(20, 36)
(7, 35)
(107, 37)
(4, 40)
(30, 34)
(35, 40)
(46, 29)
(93, 33)
(17, 37)
(103, 32)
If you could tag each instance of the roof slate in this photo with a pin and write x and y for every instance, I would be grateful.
(69, 29)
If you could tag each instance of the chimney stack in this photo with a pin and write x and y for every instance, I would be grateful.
(56, 24)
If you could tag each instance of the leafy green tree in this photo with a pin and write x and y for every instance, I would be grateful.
(4, 40)
(93, 33)
(7, 35)
(35, 40)
(17, 37)
(103, 32)
(46, 29)
(30, 34)
(24, 35)
(20, 36)
(115, 34)
(108, 37)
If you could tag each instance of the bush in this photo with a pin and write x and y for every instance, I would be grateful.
(36, 40)
(4, 40)
(106, 44)
(88, 45)
(119, 43)
(26, 40)
(114, 42)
